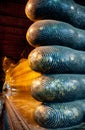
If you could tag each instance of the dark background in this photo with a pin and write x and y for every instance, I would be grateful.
(13, 28)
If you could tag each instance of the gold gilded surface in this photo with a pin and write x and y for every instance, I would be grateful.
(25, 104)
(19, 78)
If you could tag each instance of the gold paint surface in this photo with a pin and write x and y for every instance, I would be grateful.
(25, 104)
